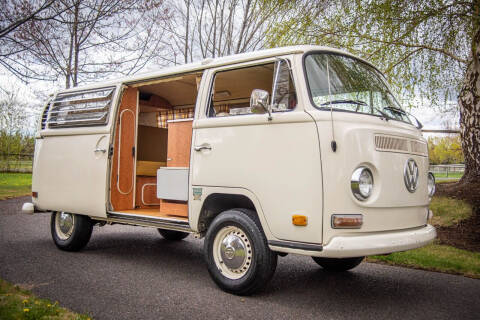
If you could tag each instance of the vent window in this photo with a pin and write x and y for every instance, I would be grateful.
(79, 109)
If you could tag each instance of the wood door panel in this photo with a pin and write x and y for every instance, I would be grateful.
(179, 143)
(146, 192)
(122, 182)
(174, 208)
(178, 155)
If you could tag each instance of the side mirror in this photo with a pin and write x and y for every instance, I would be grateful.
(259, 102)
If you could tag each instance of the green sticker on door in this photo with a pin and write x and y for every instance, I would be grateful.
(197, 193)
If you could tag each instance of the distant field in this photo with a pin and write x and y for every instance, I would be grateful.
(6, 165)
(440, 175)
(15, 185)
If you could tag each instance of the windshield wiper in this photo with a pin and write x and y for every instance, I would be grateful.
(384, 115)
(406, 113)
(396, 109)
(358, 102)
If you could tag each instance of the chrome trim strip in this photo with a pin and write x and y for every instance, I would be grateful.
(140, 220)
(296, 245)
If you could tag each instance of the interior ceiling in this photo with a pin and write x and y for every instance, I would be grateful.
(181, 91)
(240, 82)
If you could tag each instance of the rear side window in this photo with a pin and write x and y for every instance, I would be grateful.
(79, 109)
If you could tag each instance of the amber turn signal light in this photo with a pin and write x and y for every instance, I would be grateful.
(347, 221)
(299, 220)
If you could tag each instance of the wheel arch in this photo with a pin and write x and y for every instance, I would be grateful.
(218, 200)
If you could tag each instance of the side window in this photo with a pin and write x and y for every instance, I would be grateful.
(79, 109)
(231, 89)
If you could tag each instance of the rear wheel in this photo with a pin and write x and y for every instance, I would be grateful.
(334, 264)
(70, 232)
(173, 235)
(237, 254)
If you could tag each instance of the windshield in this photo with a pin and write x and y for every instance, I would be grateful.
(344, 83)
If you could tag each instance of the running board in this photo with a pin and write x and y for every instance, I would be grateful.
(146, 221)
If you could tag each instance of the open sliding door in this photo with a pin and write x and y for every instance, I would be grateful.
(71, 153)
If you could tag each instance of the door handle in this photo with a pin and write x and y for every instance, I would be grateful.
(100, 150)
(203, 146)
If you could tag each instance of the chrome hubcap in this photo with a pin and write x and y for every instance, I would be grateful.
(64, 224)
(232, 252)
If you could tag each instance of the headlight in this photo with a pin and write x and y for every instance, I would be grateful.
(362, 183)
(431, 184)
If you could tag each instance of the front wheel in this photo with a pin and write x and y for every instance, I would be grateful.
(237, 254)
(70, 232)
(334, 264)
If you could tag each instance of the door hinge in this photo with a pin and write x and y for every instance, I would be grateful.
(133, 152)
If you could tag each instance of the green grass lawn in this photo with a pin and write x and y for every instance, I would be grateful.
(446, 180)
(436, 257)
(15, 185)
(15, 164)
(440, 175)
(16, 303)
(448, 211)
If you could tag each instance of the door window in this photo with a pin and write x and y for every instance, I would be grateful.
(231, 89)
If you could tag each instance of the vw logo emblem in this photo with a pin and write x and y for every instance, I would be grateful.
(410, 175)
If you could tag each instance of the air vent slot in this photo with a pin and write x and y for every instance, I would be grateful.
(402, 145)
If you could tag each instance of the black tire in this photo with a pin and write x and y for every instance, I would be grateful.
(81, 232)
(259, 263)
(338, 265)
(173, 235)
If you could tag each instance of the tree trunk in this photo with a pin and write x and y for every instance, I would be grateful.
(469, 103)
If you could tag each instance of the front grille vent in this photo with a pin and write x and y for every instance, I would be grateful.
(403, 145)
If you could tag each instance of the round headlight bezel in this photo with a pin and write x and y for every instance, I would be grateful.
(355, 183)
(431, 187)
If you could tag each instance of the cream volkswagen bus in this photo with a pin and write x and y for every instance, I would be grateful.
(298, 150)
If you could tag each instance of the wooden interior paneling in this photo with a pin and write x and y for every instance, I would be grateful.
(149, 193)
(177, 90)
(178, 155)
(149, 168)
(179, 143)
(152, 144)
(174, 208)
(124, 198)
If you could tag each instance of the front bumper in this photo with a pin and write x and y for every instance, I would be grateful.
(359, 245)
